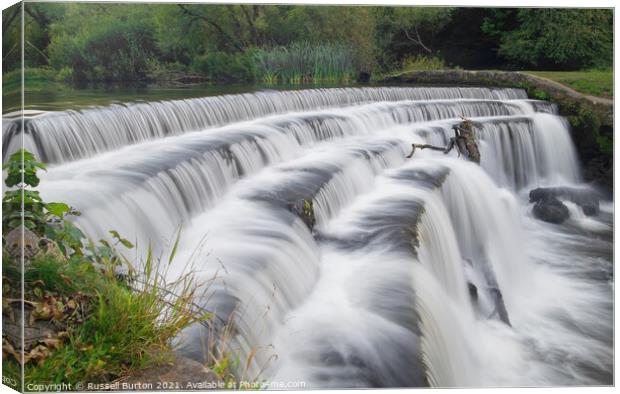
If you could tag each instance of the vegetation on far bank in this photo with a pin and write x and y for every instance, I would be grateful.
(83, 43)
(591, 82)
(94, 316)
(594, 82)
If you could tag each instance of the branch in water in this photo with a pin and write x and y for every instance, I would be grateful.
(427, 146)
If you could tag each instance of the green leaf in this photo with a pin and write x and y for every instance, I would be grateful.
(74, 234)
(31, 179)
(126, 243)
(174, 248)
(14, 223)
(58, 209)
(120, 239)
(13, 179)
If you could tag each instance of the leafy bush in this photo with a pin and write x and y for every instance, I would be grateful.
(65, 74)
(111, 49)
(24, 206)
(225, 67)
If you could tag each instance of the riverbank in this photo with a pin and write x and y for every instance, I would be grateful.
(595, 83)
(591, 118)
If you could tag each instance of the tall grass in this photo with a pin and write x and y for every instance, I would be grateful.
(423, 63)
(128, 323)
(302, 62)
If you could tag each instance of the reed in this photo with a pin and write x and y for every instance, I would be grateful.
(302, 62)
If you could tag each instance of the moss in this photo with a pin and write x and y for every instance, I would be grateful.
(415, 238)
(537, 94)
(606, 144)
(307, 213)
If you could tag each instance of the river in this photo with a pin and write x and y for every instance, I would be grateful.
(398, 280)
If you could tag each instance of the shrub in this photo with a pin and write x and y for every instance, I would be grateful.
(65, 74)
(112, 50)
(225, 67)
(423, 63)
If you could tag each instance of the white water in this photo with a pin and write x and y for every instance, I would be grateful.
(378, 294)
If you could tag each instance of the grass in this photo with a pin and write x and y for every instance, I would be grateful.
(111, 328)
(303, 62)
(591, 82)
(416, 63)
(423, 63)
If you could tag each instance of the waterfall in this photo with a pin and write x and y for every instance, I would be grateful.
(68, 135)
(326, 247)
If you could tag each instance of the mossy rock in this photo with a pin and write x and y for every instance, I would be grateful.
(304, 209)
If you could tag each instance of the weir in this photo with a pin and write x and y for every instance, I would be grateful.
(68, 135)
(377, 292)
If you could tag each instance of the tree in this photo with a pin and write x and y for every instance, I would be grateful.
(104, 42)
(558, 38)
(409, 31)
(421, 24)
(11, 37)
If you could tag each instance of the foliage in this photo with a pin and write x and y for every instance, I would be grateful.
(37, 20)
(408, 32)
(303, 62)
(605, 144)
(558, 38)
(94, 42)
(225, 67)
(24, 206)
(423, 63)
(123, 330)
(115, 46)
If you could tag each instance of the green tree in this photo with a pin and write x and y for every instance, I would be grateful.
(104, 42)
(408, 31)
(556, 38)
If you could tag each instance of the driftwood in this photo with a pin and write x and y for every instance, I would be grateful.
(424, 146)
(463, 139)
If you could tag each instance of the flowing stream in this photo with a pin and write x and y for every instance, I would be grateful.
(422, 271)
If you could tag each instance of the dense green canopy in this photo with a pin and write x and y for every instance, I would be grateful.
(135, 42)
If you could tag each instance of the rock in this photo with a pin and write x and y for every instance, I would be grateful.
(600, 171)
(34, 330)
(305, 210)
(21, 240)
(551, 210)
(500, 306)
(587, 199)
(473, 291)
(181, 374)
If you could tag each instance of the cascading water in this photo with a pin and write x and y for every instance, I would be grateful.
(327, 248)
